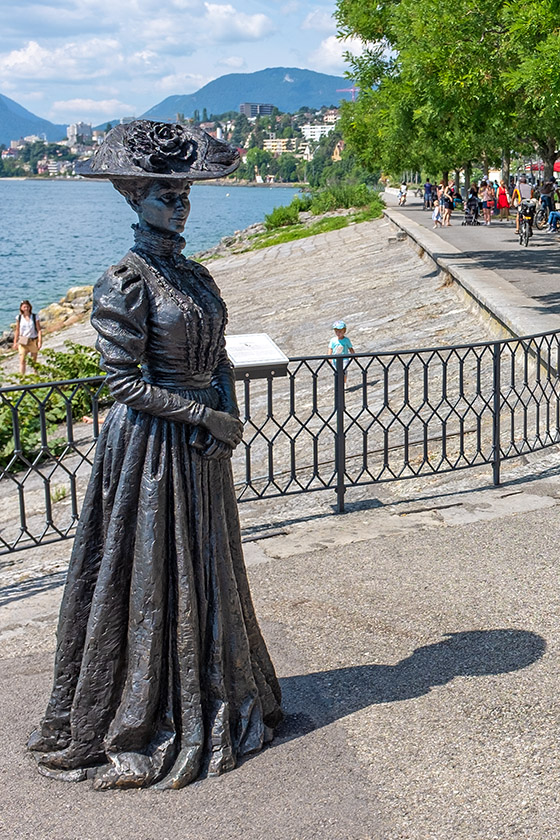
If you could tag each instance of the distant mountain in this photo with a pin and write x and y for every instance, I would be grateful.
(289, 88)
(16, 122)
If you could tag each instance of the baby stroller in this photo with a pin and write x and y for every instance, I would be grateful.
(471, 211)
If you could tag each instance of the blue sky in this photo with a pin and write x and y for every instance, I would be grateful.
(91, 60)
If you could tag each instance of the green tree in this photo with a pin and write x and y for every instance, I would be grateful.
(287, 167)
(257, 161)
(446, 83)
(241, 131)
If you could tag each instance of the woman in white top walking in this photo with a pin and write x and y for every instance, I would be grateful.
(27, 338)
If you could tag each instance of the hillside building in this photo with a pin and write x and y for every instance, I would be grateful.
(277, 146)
(315, 132)
(255, 109)
(337, 151)
(331, 116)
(78, 132)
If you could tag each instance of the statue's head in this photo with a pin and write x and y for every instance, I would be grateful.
(153, 165)
(160, 203)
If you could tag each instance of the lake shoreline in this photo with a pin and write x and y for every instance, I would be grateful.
(216, 182)
(59, 238)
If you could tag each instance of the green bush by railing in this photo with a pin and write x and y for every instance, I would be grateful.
(40, 411)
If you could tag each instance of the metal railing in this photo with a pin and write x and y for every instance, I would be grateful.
(330, 424)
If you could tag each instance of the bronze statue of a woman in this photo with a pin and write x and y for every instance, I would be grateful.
(161, 673)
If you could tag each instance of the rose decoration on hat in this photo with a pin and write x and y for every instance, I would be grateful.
(155, 149)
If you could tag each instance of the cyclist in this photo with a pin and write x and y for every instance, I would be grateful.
(522, 192)
(403, 193)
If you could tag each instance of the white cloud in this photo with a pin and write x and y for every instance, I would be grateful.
(320, 21)
(181, 83)
(235, 62)
(89, 110)
(71, 62)
(227, 24)
(329, 57)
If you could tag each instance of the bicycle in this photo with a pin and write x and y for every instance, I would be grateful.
(526, 213)
(541, 216)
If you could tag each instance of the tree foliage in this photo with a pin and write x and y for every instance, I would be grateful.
(444, 83)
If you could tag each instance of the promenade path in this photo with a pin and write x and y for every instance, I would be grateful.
(416, 637)
(533, 272)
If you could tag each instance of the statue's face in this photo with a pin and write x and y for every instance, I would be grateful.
(166, 206)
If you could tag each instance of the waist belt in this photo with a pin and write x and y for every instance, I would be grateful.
(197, 381)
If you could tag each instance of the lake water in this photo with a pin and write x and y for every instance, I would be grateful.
(57, 234)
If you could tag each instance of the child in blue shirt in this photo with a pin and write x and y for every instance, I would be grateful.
(340, 345)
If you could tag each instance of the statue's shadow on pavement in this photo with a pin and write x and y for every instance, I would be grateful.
(311, 701)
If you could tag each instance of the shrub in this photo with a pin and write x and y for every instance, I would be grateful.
(282, 216)
(36, 414)
(342, 196)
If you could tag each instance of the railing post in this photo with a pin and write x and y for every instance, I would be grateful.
(496, 408)
(340, 441)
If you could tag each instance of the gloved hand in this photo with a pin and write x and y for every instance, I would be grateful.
(223, 426)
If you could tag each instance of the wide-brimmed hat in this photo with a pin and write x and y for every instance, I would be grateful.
(148, 149)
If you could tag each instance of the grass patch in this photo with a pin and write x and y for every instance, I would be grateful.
(290, 233)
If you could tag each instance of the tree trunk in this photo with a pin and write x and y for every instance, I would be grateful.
(445, 177)
(467, 170)
(506, 160)
(548, 154)
(485, 166)
(458, 179)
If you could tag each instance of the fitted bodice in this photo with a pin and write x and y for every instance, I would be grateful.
(186, 321)
(161, 324)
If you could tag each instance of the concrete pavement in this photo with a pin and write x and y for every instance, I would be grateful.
(416, 637)
(519, 287)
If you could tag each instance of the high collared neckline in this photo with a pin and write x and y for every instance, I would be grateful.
(158, 243)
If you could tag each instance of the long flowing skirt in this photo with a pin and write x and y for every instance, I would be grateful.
(161, 672)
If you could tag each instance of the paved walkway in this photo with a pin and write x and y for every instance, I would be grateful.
(416, 637)
(520, 285)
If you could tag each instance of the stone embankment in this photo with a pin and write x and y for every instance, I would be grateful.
(242, 240)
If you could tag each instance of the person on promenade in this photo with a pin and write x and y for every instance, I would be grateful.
(447, 205)
(428, 194)
(436, 215)
(547, 195)
(340, 344)
(553, 221)
(522, 191)
(486, 195)
(162, 675)
(28, 335)
(503, 202)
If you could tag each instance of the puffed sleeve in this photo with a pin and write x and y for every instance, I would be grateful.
(120, 317)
